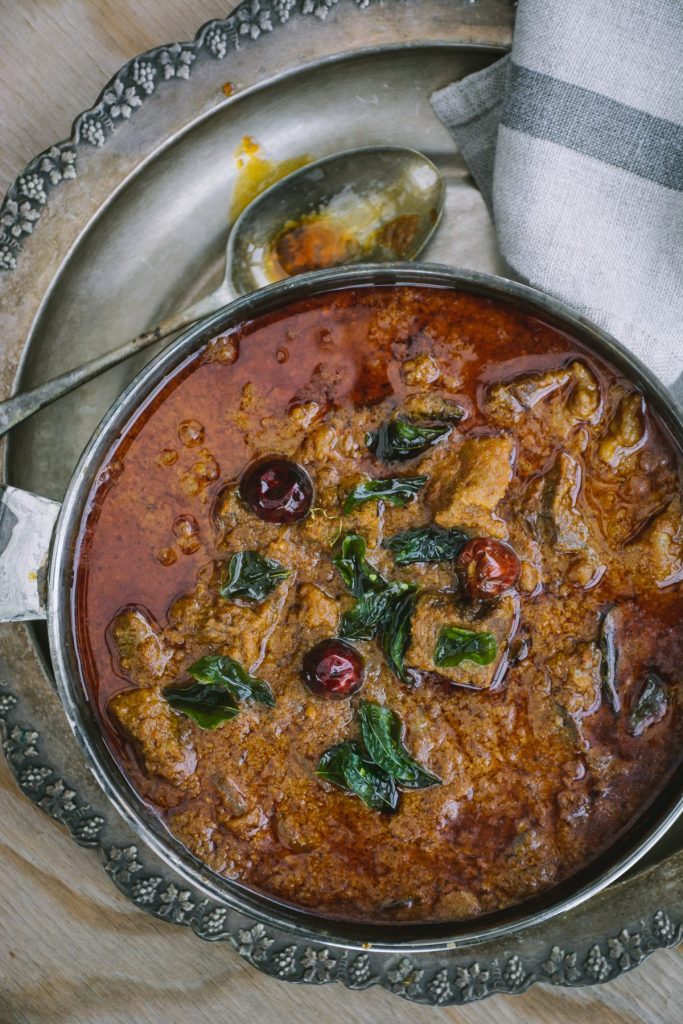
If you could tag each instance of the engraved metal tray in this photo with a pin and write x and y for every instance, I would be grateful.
(99, 237)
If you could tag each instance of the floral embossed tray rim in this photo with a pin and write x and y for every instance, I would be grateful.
(605, 950)
(425, 978)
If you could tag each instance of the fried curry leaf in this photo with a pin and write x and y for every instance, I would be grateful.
(221, 683)
(363, 620)
(332, 763)
(426, 544)
(372, 612)
(252, 576)
(608, 660)
(456, 645)
(382, 731)
(219, 670)
(434, 409)
(650, 707)
(359, 576)
(396, 490)
(400, 439)
(345, 765)
(395, 631)
(383, 609)
(209, 706)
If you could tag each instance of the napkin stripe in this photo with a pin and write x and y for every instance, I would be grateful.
(595, 125)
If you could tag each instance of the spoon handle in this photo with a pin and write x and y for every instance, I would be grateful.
(23, 405)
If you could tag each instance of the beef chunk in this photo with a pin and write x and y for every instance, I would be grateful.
(434, 611)
(432, 406)
(575, 678)
(160, 735)
(320, 445)
(531, 861)
(471, 483)
(420, 371)
(625, 431)
(509, 400)
(658, 552)
(563, 524)
(458, 905)
(240, 631)
(552, 508)
(584, 399)
(143, 652)
(319, 612)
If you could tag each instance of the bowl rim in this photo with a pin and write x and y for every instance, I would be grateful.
(653, 821)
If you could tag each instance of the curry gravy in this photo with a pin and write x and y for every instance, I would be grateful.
(555, 455)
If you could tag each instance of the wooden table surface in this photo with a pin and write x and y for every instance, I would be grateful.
(75, 950)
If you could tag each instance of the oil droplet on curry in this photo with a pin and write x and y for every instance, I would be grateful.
(390, 628)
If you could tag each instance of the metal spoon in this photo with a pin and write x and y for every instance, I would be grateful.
(364, 205)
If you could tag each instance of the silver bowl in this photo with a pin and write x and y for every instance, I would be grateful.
(395, 939)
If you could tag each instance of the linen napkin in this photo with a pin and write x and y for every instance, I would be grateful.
(575, 140)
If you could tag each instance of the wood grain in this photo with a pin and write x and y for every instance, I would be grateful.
(71, 948)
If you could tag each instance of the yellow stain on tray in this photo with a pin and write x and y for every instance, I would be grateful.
(255, 173)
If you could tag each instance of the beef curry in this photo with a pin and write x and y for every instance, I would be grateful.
(379, 604)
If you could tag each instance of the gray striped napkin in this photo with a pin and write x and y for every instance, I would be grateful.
(576, 142)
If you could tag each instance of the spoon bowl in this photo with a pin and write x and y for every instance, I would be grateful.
(367, 205)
